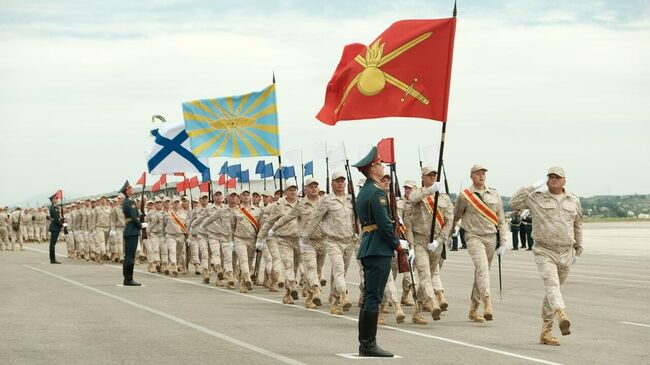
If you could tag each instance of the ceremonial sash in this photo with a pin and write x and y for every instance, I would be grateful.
(429, 203)
(481, 207)
(250, 218)
(180, 224)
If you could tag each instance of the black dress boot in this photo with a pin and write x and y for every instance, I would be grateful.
(128, 281)
(367, 336)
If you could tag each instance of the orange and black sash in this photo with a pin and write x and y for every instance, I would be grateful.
(481, 207)
(429, 202)
(179, 223)
(250, 218)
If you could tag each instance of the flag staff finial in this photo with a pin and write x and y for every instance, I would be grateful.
(455, 9)
(274, 77)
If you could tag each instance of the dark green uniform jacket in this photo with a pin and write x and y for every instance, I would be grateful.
(55, 220)
(132, 225)
(372, 209)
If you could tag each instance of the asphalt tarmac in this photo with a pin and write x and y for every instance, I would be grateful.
(76, 313)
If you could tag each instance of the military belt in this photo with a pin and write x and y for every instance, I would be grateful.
(369, 228)
(127, 220)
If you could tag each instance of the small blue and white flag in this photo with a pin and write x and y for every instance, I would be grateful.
(171, 152)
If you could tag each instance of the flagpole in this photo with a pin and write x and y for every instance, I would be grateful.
(327, 171)
(420, 158)
(302, 175)
(280, 170)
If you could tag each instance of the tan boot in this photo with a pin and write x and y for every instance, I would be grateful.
(206, 276)
(487, 311)
(435, 309)
(162, 268)
(196, 269)
(287, 297)
(174, 270)
(335, 307)
(473, 313)
(406, 300)
(316, 297)
(546, 337)
(563, 322)
(384, 309)
(230, 281)
(426, 306)
(309, 304)
(418, 318)
(399, 313)
(305, 289)
(150, 268)
(292, 289)
(242, 286)
(440, 295)
(345, 302)
(381, 320)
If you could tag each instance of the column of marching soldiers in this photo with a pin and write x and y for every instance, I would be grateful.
(218, 238)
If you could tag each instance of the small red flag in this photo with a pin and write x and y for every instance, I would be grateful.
(204, 187)
(386, 150)
(59, 194)
(155, 187)
(405, 72)
(193, 182)
(143, 179)
(181, 186)
(232, 183)
(163, 179)
(222, 179)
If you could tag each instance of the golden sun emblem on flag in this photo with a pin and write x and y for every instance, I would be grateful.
(372, 80)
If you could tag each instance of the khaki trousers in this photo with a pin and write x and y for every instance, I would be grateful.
(427, 265)
(172, 242)
(152, 244)
(481, 250)
(101, 237)
(554, 269)
(4, 238)
(290, 254)
(309, 260)
(340, 253)
(243, 249)
(276, 257)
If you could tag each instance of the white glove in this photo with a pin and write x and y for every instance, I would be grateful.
(501, 250)
(432, 246)
(449, 243)
(304, 247)
(404, 244)
(259, 245)
(436, 187)
(540, 183)
(65, 225)
(411, 257)
(356, 236)
(574, 260)
(145, 225)
(111, 232)
(271, 232)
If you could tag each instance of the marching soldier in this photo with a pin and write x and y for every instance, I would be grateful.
(118, 222)
(558, 237)
(272, 260)
(155, 233)
(5, 226)
(56, 224)
(287, 239)
(103, 229)
(39, 224)
(215, 238)
(247, 224)
(17, 227)
(334, 216)
(176, 232)
(92, 231)
(481, 209)
(301, 214)
(220, 224)
(165, 264)
(404, 207)
(75, 225)
(199, 243)
(376, 250)
(131, 233)
(427, 253)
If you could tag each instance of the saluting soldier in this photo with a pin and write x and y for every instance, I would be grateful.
(56, 224)
(131, 233)
(481, 209)
(428, 252)
(220, 224)
(376, 250)
(557, 220)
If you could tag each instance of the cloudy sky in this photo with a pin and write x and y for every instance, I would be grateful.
(553, 83)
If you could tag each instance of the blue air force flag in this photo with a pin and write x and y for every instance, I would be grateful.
(171, 151)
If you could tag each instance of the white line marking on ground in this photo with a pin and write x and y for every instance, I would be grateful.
(355, 356)
(171, 317)
(636, 324)
(415, 333)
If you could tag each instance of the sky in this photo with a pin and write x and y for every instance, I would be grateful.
(534, 84)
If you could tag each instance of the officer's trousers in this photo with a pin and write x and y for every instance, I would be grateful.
(375, 271)
(481, 250)
(428, 268)
(553, 267)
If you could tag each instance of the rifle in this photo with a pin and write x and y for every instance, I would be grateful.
(353, 197)
(403, 264)
(256, 267)
(142, 216)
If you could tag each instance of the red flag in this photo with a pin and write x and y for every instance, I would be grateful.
(59, 194)
(222, 179)
(405, 72)
(386, 150)
(193, 182)
(181, 186)
(204, 187)
(143, 179)
(163, 179)
(232, 183)
(155, 187)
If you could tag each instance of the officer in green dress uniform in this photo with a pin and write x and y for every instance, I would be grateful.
(55, 227)
(376, 250)
(132, 229)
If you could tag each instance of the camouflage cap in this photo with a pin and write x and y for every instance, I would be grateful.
(556, 170)
(477, 167)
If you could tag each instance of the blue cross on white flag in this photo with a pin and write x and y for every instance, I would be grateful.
(171, 151)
